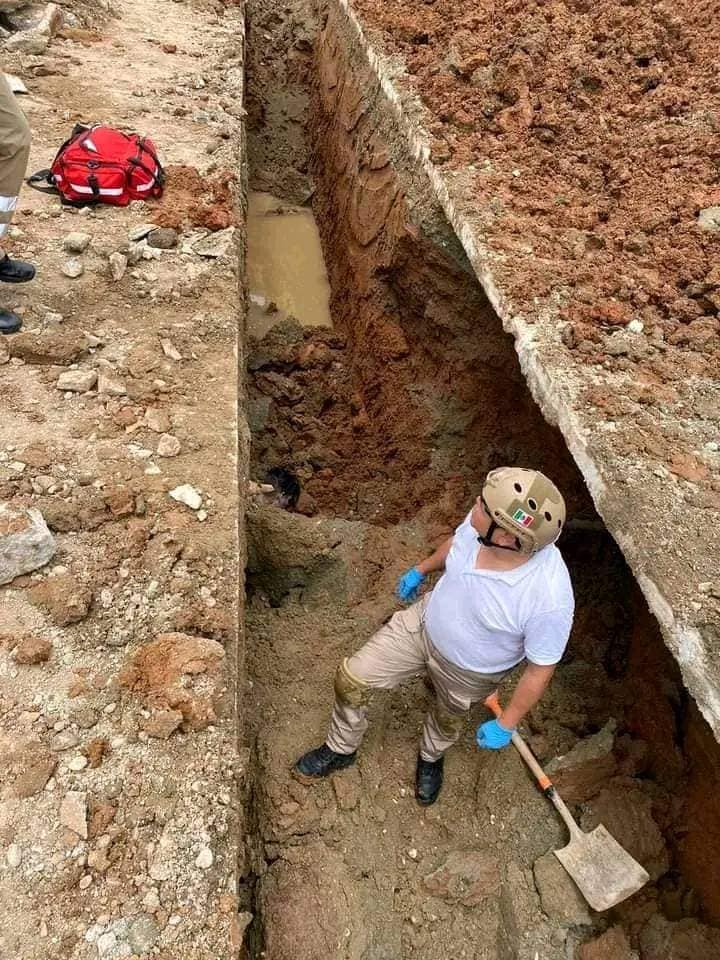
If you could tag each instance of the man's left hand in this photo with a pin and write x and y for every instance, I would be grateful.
(492, 736)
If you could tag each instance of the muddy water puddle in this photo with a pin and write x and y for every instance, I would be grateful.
(285, 266)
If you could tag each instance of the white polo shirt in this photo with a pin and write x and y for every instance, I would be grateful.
(489, 620)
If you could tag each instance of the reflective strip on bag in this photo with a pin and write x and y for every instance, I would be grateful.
(107, 192)
(8, 204)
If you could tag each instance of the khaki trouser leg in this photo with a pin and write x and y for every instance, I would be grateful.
(14, 153)
(456, 690)
(400, 650)
(393, 654)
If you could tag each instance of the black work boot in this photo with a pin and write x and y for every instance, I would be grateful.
(428, 780)
(15, 271)
(321, 762)
(9, 322)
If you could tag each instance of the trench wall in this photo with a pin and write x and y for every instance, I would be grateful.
(421, 329)
(442, 398)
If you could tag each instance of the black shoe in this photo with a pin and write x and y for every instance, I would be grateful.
(428, 781)
(9, 322)
(15, 271)
(321, 762)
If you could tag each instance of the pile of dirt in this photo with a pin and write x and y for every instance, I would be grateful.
(193, 200)
(588, 134)
(162, 673)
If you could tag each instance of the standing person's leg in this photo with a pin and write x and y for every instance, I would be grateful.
(456, 690)
(394, 654)
(14, 153)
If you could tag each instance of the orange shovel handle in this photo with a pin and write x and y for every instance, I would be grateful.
(544, 782)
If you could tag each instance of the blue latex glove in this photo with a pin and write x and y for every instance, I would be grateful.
(491, 736)
(409, 583)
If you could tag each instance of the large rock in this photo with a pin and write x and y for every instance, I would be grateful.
(627, 813)
(25, 542)
(685, 940)
(582, 772)
(466, 876)
(215, 245)
(49, 346)
(561, 900)
(612, 945)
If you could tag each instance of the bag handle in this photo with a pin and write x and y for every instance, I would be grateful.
(43, 177)
(159, 177)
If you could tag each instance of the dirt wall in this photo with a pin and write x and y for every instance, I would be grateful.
(423, 367)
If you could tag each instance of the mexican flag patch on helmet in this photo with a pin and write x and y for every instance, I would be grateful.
(524, 518)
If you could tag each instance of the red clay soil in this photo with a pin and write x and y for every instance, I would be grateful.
(191, 200)
(593, 131)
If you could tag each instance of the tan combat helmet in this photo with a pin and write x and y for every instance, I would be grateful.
(526, 504)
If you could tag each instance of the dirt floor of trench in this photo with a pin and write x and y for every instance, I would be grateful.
(388, 420)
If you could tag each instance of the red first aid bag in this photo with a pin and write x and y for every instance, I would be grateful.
(99, 164)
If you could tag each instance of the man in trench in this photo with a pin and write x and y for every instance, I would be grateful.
(504, 597)
(14, 154)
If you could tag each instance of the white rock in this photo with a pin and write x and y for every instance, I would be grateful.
(73, 268)
(77, 381)
(14, 856)
(78, 763)
(85, 881)
(76, 242)
(709, 219)
(169, 350)
(168, 446)
(636, 326)
(27, 41)
(110, 384)
(26, 544)
(215, 245)
(157, 420)
(52, 319)
(51, 21)
(151, 900)
(106, 943)
(65, 740)
(205, 859)
(73, 812)
(141, 231)
(118, 265)
(188, 495)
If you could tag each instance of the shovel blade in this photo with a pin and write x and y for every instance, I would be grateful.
(604, 872)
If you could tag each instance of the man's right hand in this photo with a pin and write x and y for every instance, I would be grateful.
(409, 584)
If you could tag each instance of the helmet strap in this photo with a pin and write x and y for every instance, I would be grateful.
(487, 541)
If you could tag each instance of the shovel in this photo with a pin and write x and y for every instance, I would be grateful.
(604, 872)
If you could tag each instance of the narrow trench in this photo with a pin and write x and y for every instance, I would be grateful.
(384, 385)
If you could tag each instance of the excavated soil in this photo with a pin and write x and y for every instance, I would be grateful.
(590, 131)
(389, 420)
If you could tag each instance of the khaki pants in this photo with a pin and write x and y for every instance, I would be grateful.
(14, 153)
(400, 650)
